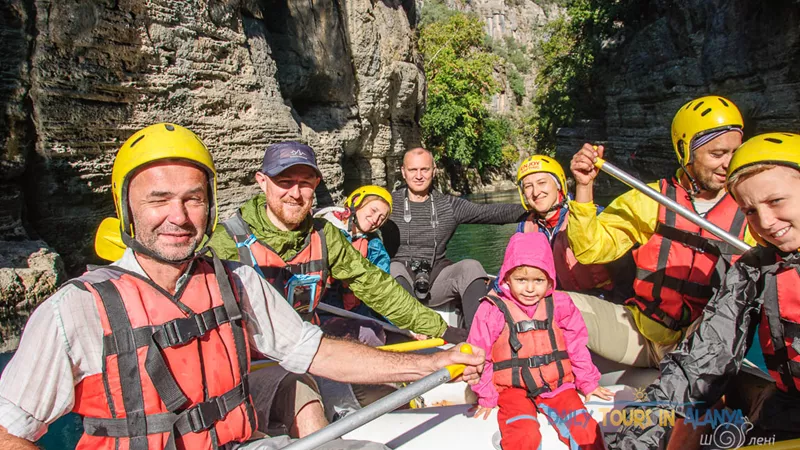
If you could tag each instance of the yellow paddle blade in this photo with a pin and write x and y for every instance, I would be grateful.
(108, 241)
(413, 345)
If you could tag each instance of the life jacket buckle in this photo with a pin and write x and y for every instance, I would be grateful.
(203, 415)
(181, 331)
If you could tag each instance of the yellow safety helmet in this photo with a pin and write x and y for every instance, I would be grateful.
(537, 164)
(770, 148)
(162, 141)
(355, 199)
(701, 116)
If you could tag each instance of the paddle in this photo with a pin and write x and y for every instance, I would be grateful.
(351, 315)
(380, 407)
(691, 216)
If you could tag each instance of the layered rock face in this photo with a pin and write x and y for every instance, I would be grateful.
(78, 78)
(746, 51)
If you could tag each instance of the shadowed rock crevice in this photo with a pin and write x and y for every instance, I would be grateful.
(746, 51)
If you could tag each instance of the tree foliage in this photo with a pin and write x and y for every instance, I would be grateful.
(460, 72)
(568, 81)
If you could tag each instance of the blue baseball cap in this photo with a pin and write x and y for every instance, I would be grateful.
(279, 157)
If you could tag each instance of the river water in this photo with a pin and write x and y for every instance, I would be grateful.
(486, 243)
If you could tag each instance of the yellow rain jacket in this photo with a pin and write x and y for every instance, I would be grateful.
(598, 239)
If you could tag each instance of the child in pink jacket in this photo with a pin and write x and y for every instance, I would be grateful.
(536, 355)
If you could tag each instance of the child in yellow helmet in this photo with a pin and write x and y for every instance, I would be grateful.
(760, 294)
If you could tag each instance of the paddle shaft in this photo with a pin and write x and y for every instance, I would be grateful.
(691, 216)
(351, 315)
(371, 412)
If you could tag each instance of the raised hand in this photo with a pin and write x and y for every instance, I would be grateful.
(582, 165)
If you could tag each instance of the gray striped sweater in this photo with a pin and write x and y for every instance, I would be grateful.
(414, 239)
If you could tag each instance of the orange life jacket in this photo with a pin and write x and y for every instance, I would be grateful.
(780, 326)
(174, 367)
(530, 353)
(349, 299)
(311, 261)
(572, 275)
(679, 268)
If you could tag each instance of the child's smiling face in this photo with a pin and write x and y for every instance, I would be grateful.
(528, 284)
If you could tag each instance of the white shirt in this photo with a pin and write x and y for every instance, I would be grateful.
(63, 343)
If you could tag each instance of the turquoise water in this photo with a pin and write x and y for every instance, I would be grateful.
(486, 243)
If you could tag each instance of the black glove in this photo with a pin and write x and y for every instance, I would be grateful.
(455, 335)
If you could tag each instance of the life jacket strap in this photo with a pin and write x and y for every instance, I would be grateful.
(532, 362)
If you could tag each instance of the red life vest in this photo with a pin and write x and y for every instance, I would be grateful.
(311, 260)
(530, 353)
(779, 331)
(572, 275)
(174, 367)
(679, 268)
(349, 299)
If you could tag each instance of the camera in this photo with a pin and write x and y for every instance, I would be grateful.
(422, 277)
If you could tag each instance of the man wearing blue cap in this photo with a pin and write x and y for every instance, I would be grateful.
(276, 233)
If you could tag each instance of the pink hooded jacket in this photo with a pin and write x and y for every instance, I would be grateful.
(532, 249)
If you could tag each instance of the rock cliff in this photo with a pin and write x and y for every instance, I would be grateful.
(77, 78)
(744, 50)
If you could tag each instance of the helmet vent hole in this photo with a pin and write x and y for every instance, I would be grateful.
(137, 140)
(169, 127)
(697, 106)
(774, 141)
(708, 110)
(723, 102)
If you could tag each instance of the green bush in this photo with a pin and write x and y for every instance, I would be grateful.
(435, 11)
(517, 85)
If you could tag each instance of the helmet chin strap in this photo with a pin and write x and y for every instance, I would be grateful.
(354, 221)
(137, 246)
(695, 187)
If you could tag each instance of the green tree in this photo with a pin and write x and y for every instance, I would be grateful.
(460, 72)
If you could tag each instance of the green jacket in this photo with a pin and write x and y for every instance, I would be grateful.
(371, 285)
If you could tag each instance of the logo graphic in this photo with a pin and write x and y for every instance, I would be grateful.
(533, 165)
(297, 153)
(729, 435)
(639, 394)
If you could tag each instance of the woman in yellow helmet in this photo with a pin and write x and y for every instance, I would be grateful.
(542, 187)
(363, 213)
(760, 294)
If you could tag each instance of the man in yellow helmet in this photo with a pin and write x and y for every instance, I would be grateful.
(153, 351)
(760, 294)
(678, 266)
(542, 187)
